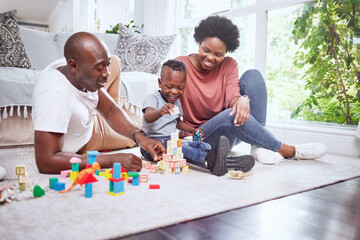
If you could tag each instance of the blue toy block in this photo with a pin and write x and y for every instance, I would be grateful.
(177, 170)
(88, 190)
(136, 181)
(117, 170)
(58, 186)
(118, 187)
(91, 156)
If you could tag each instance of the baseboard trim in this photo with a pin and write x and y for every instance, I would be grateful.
(338, 139)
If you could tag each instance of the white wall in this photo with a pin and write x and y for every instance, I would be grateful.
(112, 12)
(62, 20)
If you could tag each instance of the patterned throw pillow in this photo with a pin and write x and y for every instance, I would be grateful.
(12, 51)
(142, 53)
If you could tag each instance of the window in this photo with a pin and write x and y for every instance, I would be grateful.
(269, 25)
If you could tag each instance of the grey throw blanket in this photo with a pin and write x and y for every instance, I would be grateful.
(16, 89)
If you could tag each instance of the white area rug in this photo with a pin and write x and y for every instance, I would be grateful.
(181, 197)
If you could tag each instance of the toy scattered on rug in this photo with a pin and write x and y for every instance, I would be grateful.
(84, 177)
(173, 161)
(38, 191)
(7, 194)
(238, 174)
(24, 181)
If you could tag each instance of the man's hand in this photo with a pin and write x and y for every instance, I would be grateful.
(129, 161)
(154, 147)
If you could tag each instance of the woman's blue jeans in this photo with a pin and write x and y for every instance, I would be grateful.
(194, 151)
(252, 131)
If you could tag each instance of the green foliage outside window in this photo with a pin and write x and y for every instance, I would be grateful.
(329, 32)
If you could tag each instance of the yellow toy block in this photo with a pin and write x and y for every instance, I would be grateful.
(108, 175)
(22, 186)
(179, 143)
(73, 175)
(20, 169)
(115, 194)
(185, 169)
(161, 164)
(125, 175)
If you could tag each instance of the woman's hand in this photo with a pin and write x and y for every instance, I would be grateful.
(241, 107)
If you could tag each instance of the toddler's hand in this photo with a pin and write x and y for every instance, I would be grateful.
(166, 109)
(198, 133)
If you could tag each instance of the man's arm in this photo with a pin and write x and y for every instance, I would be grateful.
(50, 159)
(121, 123)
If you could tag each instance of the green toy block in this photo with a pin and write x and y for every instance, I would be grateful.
(38, 191)
(133, 174)
(51, 181)
(75, 167)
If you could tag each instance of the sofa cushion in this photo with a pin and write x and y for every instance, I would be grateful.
(12, 51)
(40, 47)
(140, 52)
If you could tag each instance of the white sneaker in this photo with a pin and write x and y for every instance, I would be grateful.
(309, 151)
(263, 155)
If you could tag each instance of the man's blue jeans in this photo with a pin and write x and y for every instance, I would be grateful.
(253, 131)
(194, 151)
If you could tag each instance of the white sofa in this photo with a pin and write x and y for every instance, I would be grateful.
(17, 84)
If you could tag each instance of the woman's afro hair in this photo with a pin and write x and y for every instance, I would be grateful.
(220, 27)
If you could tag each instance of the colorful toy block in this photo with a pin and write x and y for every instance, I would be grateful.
(20, 169)
(52, 181)
(64, 173)
(154, 186)
(73, 175)
(58, 186)
(91, 156)
(153, 169)
(175, 110)
(38, 191)
(177, 170)
(143, 178)
(135, 178)
(88, 190)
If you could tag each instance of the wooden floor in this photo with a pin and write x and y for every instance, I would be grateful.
(328, 213)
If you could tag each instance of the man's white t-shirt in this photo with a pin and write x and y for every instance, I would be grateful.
(59, 107)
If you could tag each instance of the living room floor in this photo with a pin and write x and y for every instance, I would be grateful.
(330, 212)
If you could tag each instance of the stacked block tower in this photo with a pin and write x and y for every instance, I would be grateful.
(173, 161)
(24, 182)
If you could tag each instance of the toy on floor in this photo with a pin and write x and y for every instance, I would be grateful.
(38, 191)
(116, 184)
(238, 174)
(24, 182)
(85, 176)
(173, 161)
(7, 194)
(74, 168)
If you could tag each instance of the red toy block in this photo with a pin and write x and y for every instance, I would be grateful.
(154, 186)
(148, 165)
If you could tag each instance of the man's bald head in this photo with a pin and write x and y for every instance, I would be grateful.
(80, 44)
